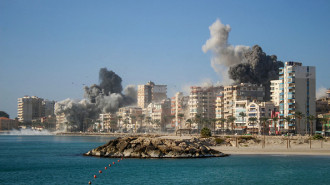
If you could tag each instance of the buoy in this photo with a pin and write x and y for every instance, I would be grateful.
(109, 165)
(105, 168)
(118, 160)
(100, 171)
(94, 176)
(89, 182)
(113, 162)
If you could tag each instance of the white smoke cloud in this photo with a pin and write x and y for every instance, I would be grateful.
(321, 92)
(224, 55)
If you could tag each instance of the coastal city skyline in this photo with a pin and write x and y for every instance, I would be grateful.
(60, 53)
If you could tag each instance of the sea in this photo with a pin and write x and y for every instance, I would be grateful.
(53, 159)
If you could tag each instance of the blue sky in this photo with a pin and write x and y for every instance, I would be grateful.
(51, 48)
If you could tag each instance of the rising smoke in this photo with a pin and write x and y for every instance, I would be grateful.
(103, 98)
(241, 64)
(224, 55)
(258, 69)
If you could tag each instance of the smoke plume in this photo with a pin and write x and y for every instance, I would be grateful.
(224, 55)
(258, 69)
(107, 97)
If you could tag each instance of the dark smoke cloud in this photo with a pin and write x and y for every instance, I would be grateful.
(103, 98)
(258, 69)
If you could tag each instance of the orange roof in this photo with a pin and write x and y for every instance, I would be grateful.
(3, 118)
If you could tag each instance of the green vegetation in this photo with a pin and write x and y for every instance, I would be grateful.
(317, 137)
(247, 137)
(219, 140)
(205, 132)
(4, 114)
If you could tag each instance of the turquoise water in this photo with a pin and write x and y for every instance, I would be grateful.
(58, 160)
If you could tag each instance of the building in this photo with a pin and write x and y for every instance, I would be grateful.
(129, 118)
(179, 106)
(275, 91)
(232, 93)
(49, 108)
(159, 114)
(108, 122)
(151, 93)
(297, 93)
(202, 101)
(8, 124)
(30, 108)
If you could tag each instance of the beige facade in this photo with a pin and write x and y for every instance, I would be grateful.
(202, 101)
(275, 91)
(179, 105)
(225, 103)
(30, 108)
(129, 118)
(151, 93)
(8, 124)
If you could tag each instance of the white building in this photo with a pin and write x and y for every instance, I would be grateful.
(275, 91)
(297, 93)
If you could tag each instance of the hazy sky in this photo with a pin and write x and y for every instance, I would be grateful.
(51, 48)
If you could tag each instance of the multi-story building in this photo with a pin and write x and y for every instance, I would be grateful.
(202, 101)
(30, 108)
(275, 91)
(48, 107)
(108, 122)
(232, 93)
(158, 114)
(179, 106)
(297, 93)
(151, 93)
(8, 124)
(129, 118)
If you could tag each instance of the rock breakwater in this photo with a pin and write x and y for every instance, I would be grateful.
(155, 147)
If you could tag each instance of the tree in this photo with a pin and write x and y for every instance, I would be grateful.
(243, 115)
(213, 121)
(222, 121)
(310, 120)
(324, 121)
(263, 120)
(4, 114)
(275, 119)
(253, 120)
(287, 119)
(299, 115)
(231, 119)
(206, 132)
(198, 119)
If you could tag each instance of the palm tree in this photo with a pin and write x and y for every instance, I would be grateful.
(310, 120)
(198, 119)
(181, 116)
(324, 121)
(222, 121)
(231, 119)
(253, 120)
(119, 119)
(275, 119)
(288, 120)
(263, 120)
(299, 115)
(243, 115)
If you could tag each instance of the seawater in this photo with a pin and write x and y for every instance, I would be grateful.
(59, 160)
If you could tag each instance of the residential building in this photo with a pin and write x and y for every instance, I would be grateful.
(49, 108)
(202, 101)
(151, 93)
(8, 124)
(232, 93)
(179, 106)
(158, 114)
(297, 93)
(275, 91)
(108, 122)
(128, 118)
(30, 108)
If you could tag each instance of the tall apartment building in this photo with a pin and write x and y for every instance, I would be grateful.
(297, 92)
(158, 112)
(29, 108)
(179, 105)
(151, 93)
(232, 93)
(202, 101)
(49, 108)
(275, 91)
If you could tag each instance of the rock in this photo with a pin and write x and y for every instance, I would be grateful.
(155, 147)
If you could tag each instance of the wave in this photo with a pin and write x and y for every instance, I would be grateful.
(28, 132)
